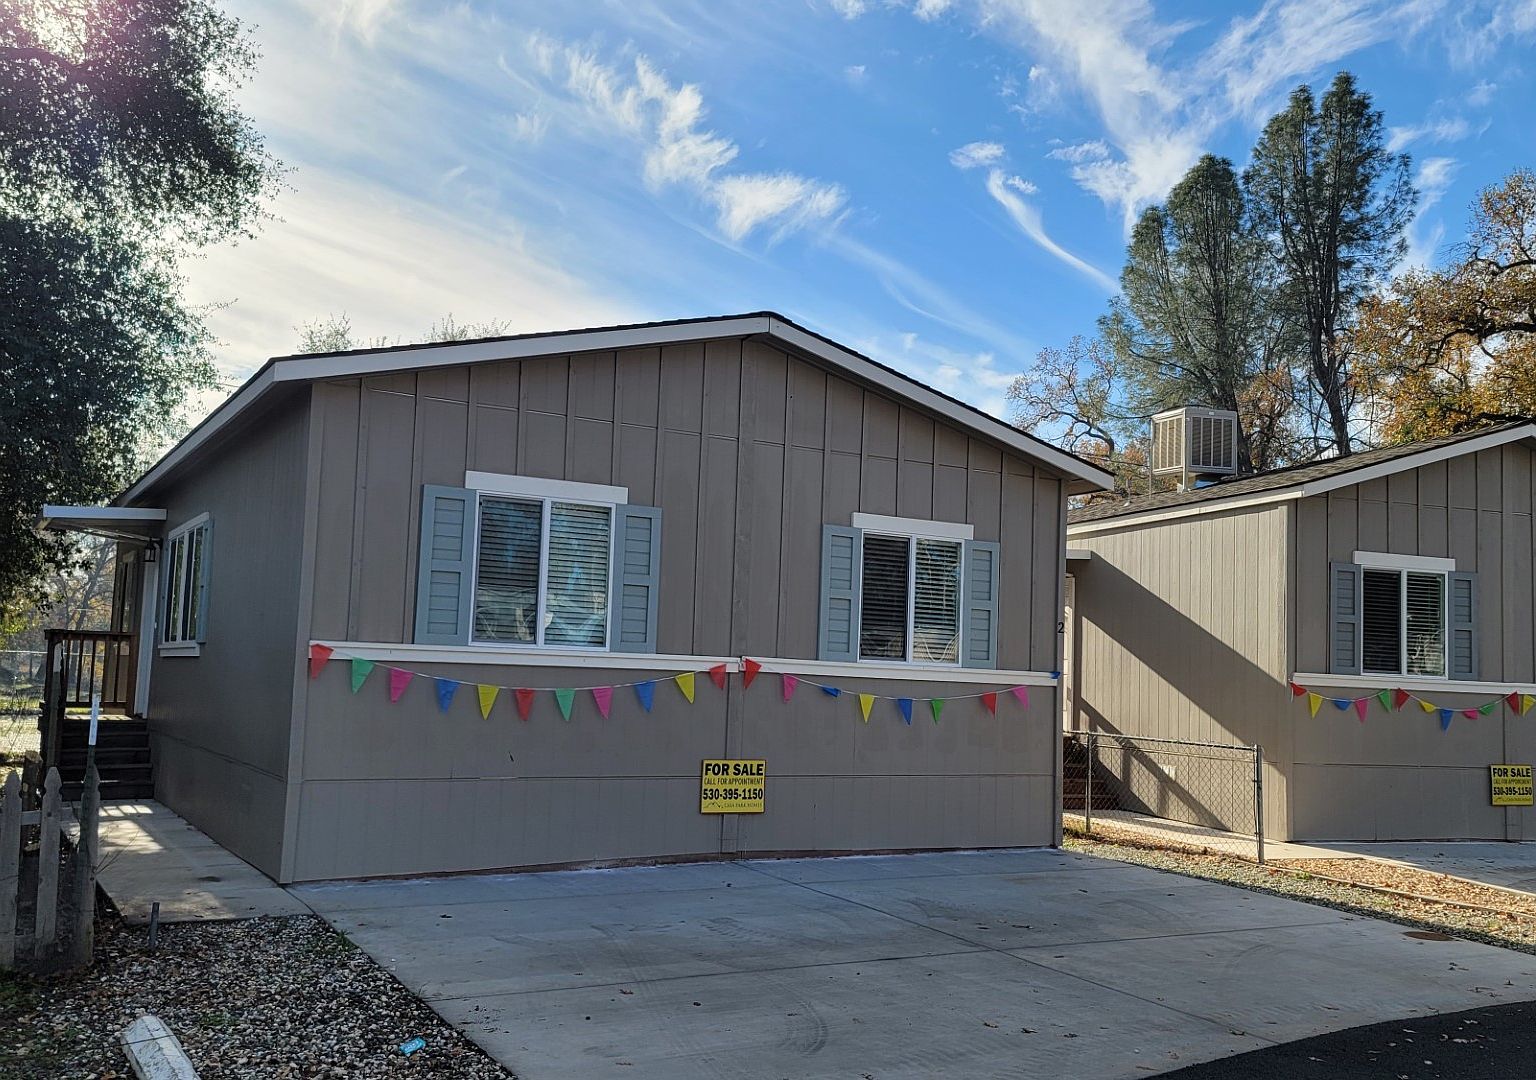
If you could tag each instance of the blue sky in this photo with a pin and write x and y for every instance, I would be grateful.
(946, 185)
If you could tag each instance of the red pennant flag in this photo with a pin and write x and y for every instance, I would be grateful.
(1514, 701)
(318, 655)
(398, 681)
(1297, 690)
(1401, 698)
(603, 695)
(989, 702)
(524, 702)
(717, 673)
(1360, 707)
(749, 670)
(790, 682)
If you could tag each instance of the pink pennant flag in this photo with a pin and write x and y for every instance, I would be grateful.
(399, 679)
(1470, 714)
(1022, 693)
(789, 684)
(603, 695)
(1361, 704)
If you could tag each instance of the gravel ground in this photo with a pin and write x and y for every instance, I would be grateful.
(1509, 931)
(269, 997)
(1412, 879)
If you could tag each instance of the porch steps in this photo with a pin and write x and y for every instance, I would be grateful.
(1074, 779)
(122, 757)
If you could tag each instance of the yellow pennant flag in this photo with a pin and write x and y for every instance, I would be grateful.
(866, 702)
(685, 684)
(1313, 701)
(1526, 701)
(1426, 706)
(487, 699)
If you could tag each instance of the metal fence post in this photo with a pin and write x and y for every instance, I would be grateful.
(1258, 801)
(1088, 791)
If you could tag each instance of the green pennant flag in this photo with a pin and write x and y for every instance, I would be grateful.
(1488, 708)
(1385, 697)
(360, 672)
(937, 705)
(563, 698)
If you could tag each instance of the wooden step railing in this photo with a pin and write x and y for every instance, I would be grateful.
(81, 665)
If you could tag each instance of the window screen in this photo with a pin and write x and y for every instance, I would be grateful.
(576, 595)
(883, 622)
(507, 570)
(1425, 596)
(936, 602)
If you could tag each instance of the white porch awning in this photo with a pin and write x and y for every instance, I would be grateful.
(113, 522)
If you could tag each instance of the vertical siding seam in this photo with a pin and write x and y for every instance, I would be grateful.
(359, 508)
(700, 586)
(413, 505)
(570, 418)
(789, 398)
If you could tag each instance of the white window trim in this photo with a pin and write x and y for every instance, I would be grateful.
(537, 645)
(537, 487)
(900, 526)
(560, 657)
(1381, 560)
(900, 533)
(176, 648)
(1408, 682)
(1403, 565)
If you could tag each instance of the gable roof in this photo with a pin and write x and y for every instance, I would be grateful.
(1296, 481)
(284, 371)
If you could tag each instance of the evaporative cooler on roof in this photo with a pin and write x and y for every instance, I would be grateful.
(1194, 442)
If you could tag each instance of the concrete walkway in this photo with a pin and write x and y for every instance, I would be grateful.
(1507, 865)
(1030, 963)
(150, 853)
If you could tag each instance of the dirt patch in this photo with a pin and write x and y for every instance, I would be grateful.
(1410, 879)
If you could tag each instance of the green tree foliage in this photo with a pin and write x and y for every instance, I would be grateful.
(1332, 204)
(334, 333)
(121, 149)
(1195, 321)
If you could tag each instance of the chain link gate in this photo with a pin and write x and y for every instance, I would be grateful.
(1165, 792)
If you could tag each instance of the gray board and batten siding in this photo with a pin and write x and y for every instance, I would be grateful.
(1191, 628)
(748, 450)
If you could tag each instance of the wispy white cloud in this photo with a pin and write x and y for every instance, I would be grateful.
(1078, 153)
(855, 74)
(849, 9)
(974, 154)
(1021, 185)
(783, 200)
(928, 10)
(1433, 179)
(1481, 93)
(1028, 219)
(1443, 130)
(529, 127)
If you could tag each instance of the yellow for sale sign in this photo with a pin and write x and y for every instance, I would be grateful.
(732, 786)
(1511, 785)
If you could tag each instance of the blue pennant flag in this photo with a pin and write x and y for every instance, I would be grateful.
(1342, 703)
(905, 705)
(445, 691)
(831, 691)
(1055, 674)
(1445, 719)
(646, 692)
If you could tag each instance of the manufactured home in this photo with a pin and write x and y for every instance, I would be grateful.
(512, 602)
(1369, 622)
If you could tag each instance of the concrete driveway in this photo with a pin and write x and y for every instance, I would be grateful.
(986, 964)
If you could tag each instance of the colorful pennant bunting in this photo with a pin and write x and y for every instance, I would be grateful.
(831, 691)
(788, 684)
(905, 705)
(749, 670)
(866, 702)
(1445, 719)
(1385, 697)
(1400, 698)
(361, 669)
(1022, 693)
(603, 696)
(646, 692)
(487, 695)
(1426, 706)
(446, 688)
(1313, 703)
(1487, 709)
(1297, 691)
(563, 698)
(318, 656)
(717, 673)
(989, 702)
(685, 684)
(937, 705)
(1360, 707)
(524, 698)
(399, 679)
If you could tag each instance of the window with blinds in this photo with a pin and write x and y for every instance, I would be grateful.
(1402, 622)
(910, 599)
(186, 558)
(542, 572)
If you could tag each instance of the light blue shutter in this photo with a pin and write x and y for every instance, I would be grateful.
(978, 606)
(445, 578)
(205, 571)
(1462, 659)
(838, 638)
(636, 581)
(1344, 584)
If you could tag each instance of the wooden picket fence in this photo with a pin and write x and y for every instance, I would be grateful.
(47, 891)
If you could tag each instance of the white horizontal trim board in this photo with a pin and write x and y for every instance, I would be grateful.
(941, 530)
(1381, 560)
(102, 513)
(1311, 679)
(536, 487)
(384, 653)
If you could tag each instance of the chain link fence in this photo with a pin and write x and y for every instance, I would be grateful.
(1206, 797)
(21, 692)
